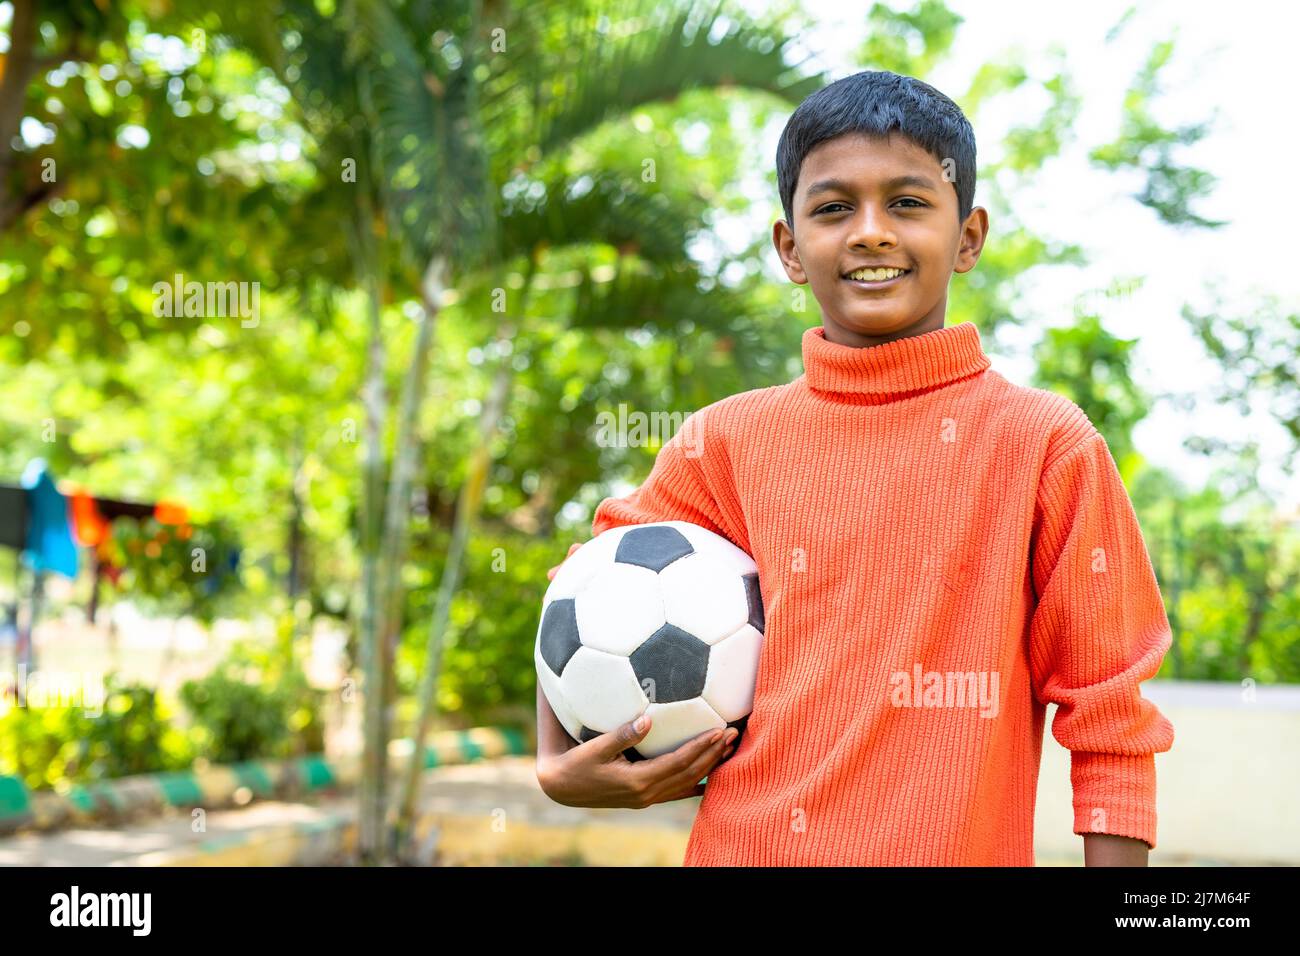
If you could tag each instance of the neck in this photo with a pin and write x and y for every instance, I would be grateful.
(843, 334)
(892, 369)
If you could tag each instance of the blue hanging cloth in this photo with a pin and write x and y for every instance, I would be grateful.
(229, 566)
(49, 537)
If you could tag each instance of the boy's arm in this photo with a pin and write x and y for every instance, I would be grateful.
(552, 738)
(1105, 849)
(1098, 631)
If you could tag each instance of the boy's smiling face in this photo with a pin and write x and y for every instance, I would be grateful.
(866, 202)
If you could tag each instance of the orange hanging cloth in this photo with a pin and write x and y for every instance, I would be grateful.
(170, 512)
(92, 530)
(88, 525)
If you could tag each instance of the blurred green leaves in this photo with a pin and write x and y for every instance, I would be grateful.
(255, 704)
(49, 746)
(606, 157)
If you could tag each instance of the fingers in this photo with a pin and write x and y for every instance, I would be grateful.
(706, 761)
(678, 762)
(682, 769)
(695, 791)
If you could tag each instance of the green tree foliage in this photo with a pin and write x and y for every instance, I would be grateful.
(1258, 352)
(1149, 148)
(202, 182)
(1090, 366)
(177, 570)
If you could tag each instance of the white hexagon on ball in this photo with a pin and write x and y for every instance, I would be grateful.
(715, 547)
(555, 696)
(581, 566)
(704, 597)
(673, 724)
(668, 606)
(733, 670)
(601, 689)
(619, 607)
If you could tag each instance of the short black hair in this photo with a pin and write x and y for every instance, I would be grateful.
(876, 103)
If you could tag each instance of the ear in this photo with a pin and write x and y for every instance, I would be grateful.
(974, 232)
(783, 239)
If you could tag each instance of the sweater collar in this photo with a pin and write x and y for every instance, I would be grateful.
(894, 368)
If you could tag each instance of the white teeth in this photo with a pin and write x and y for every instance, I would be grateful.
(876, 275)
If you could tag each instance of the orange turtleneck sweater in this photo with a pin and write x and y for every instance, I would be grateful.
(941, 553)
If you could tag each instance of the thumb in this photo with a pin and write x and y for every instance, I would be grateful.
(627, 735)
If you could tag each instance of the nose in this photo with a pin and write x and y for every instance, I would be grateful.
(870, 229)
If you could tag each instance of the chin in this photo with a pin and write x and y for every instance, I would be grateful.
(877, 325)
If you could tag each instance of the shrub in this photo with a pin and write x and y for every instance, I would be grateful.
(132, 734)
(254, 706)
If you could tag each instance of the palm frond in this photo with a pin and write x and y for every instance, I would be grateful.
(599, 208)
(421, 109)
(664, 297)
(655, 52)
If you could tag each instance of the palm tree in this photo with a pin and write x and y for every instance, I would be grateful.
(453, 100)
(527, 122)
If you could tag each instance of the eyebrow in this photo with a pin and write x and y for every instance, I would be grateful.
(829, 185)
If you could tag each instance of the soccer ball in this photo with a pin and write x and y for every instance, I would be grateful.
(663, 618)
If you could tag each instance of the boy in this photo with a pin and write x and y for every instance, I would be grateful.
(941, 552)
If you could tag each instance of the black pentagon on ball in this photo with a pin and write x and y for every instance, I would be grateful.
(676, 662)
(755, 598)
(559, 638)
(654, 548)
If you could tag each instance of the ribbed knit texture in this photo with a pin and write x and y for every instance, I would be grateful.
(911, 513)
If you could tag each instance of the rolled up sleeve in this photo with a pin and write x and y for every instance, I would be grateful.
(1099, 629)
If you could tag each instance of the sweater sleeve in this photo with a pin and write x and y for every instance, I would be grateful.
(676, 489)
(1098, 630)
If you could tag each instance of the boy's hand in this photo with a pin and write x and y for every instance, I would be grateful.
(596, 774)
(550, 575)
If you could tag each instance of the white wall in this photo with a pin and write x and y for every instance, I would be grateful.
(1228, 790)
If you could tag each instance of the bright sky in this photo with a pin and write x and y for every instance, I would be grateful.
(1239, 63)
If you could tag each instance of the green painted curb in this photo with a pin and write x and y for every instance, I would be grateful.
(14, 801)
(180, 788)
(469, 750)
(316, 773)
(252, 774)
(113, 799)
(80, 798)
(516, 742)
(98, 797)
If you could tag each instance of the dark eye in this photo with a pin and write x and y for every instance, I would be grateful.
(829, 206)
